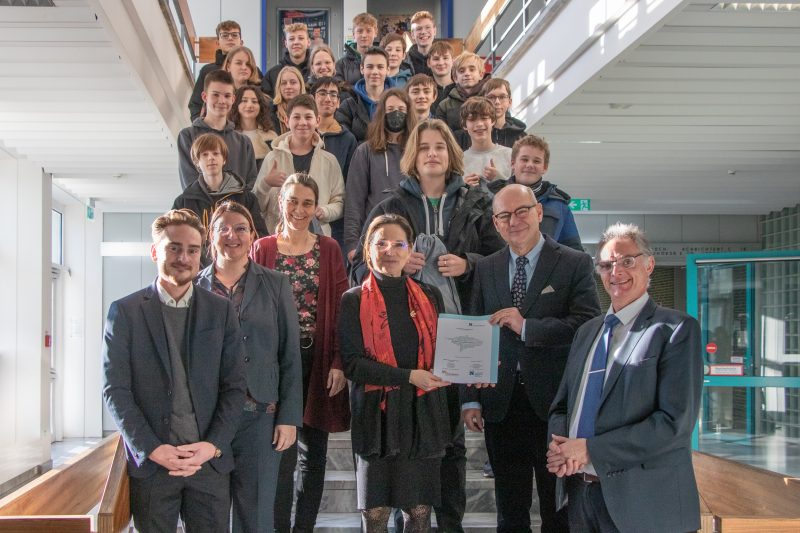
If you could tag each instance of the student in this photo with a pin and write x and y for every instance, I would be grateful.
(375, 169)
(423, 32)
(397, 71)
(242, 66)
(295, 55)
(301, 150)
(251, 114)
(530, 159)
(321, 64)
(421, 90)
(507, 130)
(485, 161)
(229, 36)
(218, 97)
(356, 113)
(365, 29)
(470, 77)
(440, 62)
(290, 84)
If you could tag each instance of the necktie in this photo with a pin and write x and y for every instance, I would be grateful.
(595, 380)
(520, 284)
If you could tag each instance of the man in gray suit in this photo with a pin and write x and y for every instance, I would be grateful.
(622, 419)
(174, 384)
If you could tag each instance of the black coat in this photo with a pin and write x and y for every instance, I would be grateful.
(269, 81)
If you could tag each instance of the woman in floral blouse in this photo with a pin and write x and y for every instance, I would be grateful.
(315, 269)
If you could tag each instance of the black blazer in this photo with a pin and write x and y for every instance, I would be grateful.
(137, 374)
(561, 296)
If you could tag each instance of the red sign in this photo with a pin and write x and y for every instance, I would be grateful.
(711, 347)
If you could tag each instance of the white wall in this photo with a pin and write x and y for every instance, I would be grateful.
(465, 14)
(206, 14)
(24, 317)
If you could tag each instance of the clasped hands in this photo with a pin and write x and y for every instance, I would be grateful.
(184, 460)
(566, 456)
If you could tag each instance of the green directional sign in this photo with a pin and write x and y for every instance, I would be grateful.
(580, 204)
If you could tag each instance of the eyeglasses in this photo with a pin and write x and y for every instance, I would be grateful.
(497, 97)
(383, 245)
(333, 95)
(229, 35)
(626, 262)
(240, 230)
(520, 212)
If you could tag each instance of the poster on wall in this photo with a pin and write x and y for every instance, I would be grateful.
(393, 24)
(317, 21)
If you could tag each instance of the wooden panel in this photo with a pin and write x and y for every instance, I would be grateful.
(207, 50)
(761, 525)
(482, 25)
(74, 488)
(115, 506)
(50, 524)
(706, 518)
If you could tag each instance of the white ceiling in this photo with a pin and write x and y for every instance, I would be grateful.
(701, 116)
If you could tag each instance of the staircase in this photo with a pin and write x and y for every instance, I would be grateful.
(338, 513)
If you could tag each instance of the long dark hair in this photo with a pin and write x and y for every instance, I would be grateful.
(263, 120)
(377, 136)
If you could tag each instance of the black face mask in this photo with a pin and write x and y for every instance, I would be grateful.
(395, 121)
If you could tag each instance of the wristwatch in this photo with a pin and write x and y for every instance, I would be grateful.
(217, 453)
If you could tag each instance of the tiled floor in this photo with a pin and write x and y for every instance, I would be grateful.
(770, 452)
(61, 451)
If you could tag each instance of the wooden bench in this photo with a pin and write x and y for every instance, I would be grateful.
(59, 501)
(739, 498)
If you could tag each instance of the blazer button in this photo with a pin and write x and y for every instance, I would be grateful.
(244, 338)
(246, 359)
(165, 420)
(169, 392)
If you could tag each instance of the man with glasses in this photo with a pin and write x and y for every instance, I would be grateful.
(539, 292)
(507, 129)
(423, 32)
(622, 419)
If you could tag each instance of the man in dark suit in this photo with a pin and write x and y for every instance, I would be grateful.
(540, 292)
(622, 420)
(174, 383)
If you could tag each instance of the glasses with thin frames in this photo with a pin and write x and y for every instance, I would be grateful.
(382, 245)
(239, 229)
(333, 95)
(229, 35)
(626, 262)
(497, 97)
(520, 212)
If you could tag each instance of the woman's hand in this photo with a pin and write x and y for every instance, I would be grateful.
(319, 213)
(336, 382)
(426, 381)
(283, 437)
(415, 263)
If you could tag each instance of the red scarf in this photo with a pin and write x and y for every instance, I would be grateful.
(375, 329)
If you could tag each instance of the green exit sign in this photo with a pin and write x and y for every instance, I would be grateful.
(580, 204)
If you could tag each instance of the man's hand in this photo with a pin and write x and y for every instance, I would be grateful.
(201, 452)
(283, 437)
(473, 180)
(350, 255)
(336, 382)
(490, 171)
(510, 318)
(451, 265)
(275, 177)
(473, 419)
(426, 381)
(319, 213)
(168, 456)
(415, 263)
(565, 456)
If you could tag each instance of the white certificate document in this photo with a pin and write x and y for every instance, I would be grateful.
(466, 349)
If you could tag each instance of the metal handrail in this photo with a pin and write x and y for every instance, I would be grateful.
(180, 19)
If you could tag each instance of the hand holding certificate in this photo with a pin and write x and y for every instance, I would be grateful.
(466, 349)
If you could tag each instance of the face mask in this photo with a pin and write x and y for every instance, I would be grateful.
(395, 121)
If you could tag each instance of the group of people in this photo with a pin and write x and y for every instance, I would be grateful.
(301, 272)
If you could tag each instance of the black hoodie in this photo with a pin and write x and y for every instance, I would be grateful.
(417, 61)
(196, 101)
(269, 81)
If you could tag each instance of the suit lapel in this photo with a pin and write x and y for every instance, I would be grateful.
(502, 283)
(151, 307)
(586, 350)
(629, 346)
(548, 258)
(252, 284)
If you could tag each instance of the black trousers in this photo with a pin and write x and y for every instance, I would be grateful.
(517, 448)
(202, 501)
(587, 508)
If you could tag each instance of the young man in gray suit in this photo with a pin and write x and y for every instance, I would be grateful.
(174, 383)
(622, 420)
(540, 292)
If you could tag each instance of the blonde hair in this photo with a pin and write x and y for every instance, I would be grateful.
(419, 15)
(251, 63)
(365, 19)
(284, 72)
(467, 58)
(455, 156)
(297, 26)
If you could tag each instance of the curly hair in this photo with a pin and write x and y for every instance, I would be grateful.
(263, 119)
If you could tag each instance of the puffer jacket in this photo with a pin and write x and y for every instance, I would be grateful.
(348, 67)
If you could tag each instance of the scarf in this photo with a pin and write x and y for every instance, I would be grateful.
(375, 329)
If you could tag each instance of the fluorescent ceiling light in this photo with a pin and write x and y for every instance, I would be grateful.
(756, 6)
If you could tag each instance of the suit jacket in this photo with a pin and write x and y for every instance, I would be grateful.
(552, 318)
(642, 444)
(138, 377)
(271, 338)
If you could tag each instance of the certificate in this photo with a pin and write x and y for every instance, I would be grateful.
(466, 349)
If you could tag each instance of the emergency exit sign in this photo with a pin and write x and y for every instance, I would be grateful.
(580, 204)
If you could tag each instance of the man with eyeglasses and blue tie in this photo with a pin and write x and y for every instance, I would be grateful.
(540, 292)
(622, 420)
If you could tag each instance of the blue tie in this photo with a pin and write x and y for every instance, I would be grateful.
(595, 381)
(520, 284)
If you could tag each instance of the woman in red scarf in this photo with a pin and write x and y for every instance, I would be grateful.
(400, 425)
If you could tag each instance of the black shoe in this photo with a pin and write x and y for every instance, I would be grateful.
(487, 470)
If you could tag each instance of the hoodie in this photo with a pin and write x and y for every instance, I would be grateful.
(557, 221)
(241, 158)
(196, 100)
(269, 81)
(417, 61)
(401, 78)
(348, 67)
(510, 133)
(341, 145)
(356, 113)
(449, 108)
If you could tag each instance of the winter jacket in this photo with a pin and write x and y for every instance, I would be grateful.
(241, 159)
(355, 113)
(372, 177)
(269, 81)
(557, 222)
(401, 78)
(417, 61)
(506, 136)
(341, 145)
(325, 171)
(449, 108)
(196, 100)
(348, 67)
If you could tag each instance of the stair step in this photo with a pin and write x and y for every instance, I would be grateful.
(351, 523)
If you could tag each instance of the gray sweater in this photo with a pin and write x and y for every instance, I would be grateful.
(370, 179)
(241, 158)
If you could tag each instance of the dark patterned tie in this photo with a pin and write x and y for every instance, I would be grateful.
(596, 380)
(520, 284)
